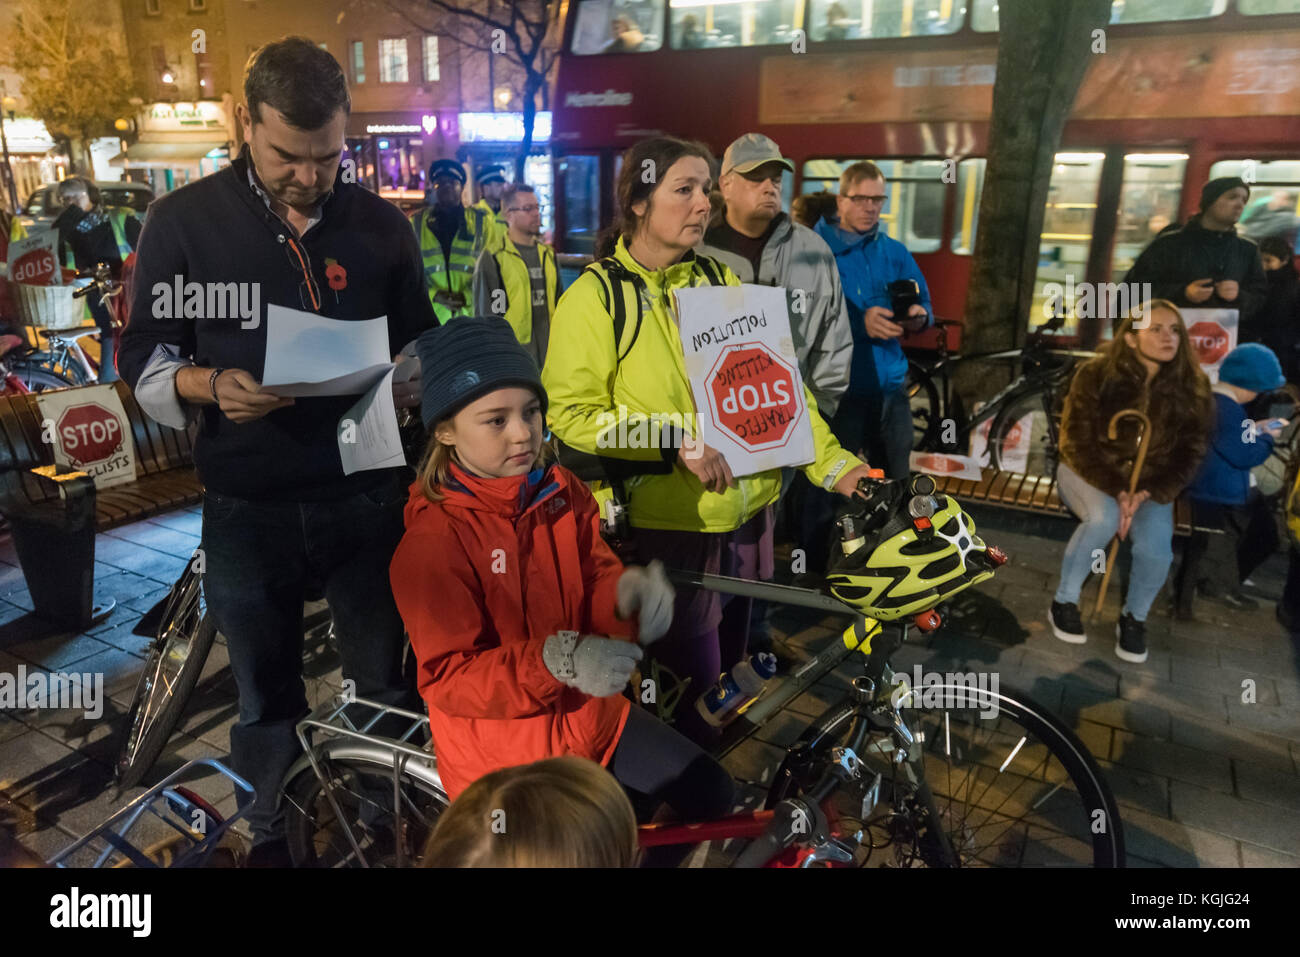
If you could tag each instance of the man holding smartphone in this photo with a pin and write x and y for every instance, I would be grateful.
(877, 274)
(1204, 263)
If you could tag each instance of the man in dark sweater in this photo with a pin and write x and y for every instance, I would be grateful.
(1204, 263)
(279, 226)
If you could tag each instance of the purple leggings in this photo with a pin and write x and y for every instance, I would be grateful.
(710, 631)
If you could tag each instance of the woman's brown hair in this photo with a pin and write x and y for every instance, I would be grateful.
(1181, 385)
(559, 812)
(657, 154)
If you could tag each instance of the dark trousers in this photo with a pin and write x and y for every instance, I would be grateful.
(654, 761)
(710, 631)
(879, 427)
(260, 557)
(1224, 561)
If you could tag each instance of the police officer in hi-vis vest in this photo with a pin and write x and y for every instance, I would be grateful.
(451, 239)
(520, 280)
(491, 191)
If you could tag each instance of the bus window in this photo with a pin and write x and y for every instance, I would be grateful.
(618, 26)
(984, 13)
(864, 19)
(581, 203)
(970, 184)
(913, 212)
(1274, 205)
(1067, 227)
(695, 25)
(1261, 7)
(1148, 202)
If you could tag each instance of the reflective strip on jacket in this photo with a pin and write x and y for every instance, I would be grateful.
(588, 384)
(468, 242)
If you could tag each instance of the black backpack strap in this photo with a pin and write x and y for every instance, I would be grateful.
(710, 269)
(619, 276)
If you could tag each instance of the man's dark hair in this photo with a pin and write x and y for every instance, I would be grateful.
(512, 190)
(298, 78)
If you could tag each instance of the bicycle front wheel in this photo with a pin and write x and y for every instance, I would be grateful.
(1002, 779)
(923, 397)
(1025, 433)
(176, 660)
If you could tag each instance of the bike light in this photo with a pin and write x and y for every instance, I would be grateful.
(996, 555)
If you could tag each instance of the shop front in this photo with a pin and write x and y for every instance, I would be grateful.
(178, 143)
(494, 138)
(392, 151)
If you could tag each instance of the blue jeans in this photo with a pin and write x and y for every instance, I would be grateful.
(1151, 535)
(260, 557)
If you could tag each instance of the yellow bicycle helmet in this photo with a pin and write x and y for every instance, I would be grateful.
(905, 549)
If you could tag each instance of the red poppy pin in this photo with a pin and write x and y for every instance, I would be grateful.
(336, 274)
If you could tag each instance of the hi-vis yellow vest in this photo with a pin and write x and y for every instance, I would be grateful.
(498, 229)
(117, 221)
(519, 290)
(454, 272)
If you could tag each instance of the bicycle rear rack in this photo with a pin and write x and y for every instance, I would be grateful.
(354, 719)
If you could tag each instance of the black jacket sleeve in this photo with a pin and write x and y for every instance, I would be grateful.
(1161, 269)
(1253, 289)
(159, 258)
(410, 312)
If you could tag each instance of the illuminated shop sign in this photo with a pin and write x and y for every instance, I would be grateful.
(502, 127)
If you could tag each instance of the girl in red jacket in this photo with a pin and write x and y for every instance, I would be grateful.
(522, 619)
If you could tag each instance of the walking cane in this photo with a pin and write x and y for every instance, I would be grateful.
(1132, 488)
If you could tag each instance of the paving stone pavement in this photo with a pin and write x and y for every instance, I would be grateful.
(1201, 744)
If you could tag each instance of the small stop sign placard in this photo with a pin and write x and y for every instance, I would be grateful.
(755, 396)
(1210, 340)
(89, 433)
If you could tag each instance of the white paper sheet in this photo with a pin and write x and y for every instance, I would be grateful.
(309, 355)
(367, 435)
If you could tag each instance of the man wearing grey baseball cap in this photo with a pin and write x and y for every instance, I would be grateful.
(763, 245)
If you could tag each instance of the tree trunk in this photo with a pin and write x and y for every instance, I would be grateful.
(1043, 52)
(531, 86)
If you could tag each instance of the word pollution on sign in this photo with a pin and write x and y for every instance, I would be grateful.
(34, 259)
(309, 355)
(744, 375)
(1213, 333)
(91, 433)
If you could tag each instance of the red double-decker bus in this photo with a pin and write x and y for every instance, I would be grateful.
(1178, 91)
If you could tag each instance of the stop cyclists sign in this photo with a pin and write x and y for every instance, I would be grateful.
(754, 396)
(89, 433)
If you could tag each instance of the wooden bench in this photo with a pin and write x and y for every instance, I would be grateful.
(55, 515)
(1035, 493)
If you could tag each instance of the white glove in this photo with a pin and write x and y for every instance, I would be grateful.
(648, 591)
(596, 666)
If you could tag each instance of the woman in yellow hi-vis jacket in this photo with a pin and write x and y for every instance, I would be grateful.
(631, 399)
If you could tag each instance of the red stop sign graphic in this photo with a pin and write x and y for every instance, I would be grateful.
(938, 463)
(36, 268)
(754, 396)
(89, 433)
(1210, 340)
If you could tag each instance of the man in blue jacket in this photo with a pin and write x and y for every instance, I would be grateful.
(874, 416)
(1222, 494)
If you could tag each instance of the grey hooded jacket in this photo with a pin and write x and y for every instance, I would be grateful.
(798, 259)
